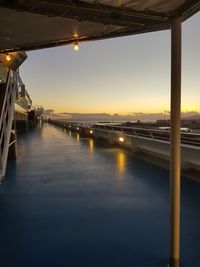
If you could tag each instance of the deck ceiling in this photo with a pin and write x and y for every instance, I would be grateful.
(34, 24)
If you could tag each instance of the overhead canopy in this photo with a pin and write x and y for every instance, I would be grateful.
(34, 24)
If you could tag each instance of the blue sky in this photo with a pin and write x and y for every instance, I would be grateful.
(122, 75)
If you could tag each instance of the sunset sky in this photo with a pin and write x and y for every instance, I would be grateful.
(123, 75)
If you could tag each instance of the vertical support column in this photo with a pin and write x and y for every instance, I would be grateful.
(175, 142)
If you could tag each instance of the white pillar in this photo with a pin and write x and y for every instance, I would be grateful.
(175, 142)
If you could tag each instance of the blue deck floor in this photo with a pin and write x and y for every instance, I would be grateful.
(71, 202)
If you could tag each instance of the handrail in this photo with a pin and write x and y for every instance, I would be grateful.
(7, 84)
(186, 138)
(6, 118)
(155, 134)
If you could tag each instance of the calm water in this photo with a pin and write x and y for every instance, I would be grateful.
(69, 201)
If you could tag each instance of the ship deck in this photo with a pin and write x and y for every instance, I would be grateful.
(70, 201)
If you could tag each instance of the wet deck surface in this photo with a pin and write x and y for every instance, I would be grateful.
(71, 202)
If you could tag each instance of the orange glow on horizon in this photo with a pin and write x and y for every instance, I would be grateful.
(123, 111)
(190, 108)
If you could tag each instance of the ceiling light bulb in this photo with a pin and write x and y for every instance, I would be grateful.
(8, 58)
(76, 47)
(121, 139)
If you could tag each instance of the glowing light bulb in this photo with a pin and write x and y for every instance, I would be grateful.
(8, 58)
(121, 139)
(76, 47)
(91, 132)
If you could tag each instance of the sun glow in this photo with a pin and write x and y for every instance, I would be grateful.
(190, 108)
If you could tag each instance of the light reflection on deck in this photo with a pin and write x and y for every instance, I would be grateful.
(78, 137)
(91, 145)
(121, 162)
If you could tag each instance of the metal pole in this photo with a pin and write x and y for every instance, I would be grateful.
(175, 142)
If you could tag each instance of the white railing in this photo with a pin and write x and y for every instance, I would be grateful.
(139, 132)
(6, 118)
(151, 133)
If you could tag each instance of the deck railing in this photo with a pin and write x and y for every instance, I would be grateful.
(157, 134)
(150, 133)
(6, 118)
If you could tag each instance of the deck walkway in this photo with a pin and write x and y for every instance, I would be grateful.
(72, 202)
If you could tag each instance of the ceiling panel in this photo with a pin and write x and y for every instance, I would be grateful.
(34, 24)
